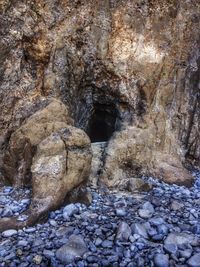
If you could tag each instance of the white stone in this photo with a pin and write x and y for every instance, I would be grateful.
(9, 233)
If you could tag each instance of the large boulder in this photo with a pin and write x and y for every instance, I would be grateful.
(53, 154)
(133, 152)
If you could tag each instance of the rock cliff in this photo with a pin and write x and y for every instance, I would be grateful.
(131, 68)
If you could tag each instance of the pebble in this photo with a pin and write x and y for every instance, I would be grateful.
(9, 233)
(158, 228)
(139, 229)
(69, 210)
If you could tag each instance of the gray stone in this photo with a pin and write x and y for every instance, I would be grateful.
(171, 248)
(107, 244)
(121, 212)
(147, 210)
(194, 261)
(48, 253)
(30, 230)
(145, 214)
(185, 253)
(123, 232)
(179, 239)
(53, 223)
(139, 229)
(156, 221)
(7, 212)
(9, 233)
(69, 210)
(98, 241)
(74, 248)
(22, 243)
(148, 206)
(161, 260)
(176, 205)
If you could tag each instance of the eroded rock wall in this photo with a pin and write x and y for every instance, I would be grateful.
(140, 56)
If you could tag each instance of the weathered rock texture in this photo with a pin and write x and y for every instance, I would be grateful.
(139, 60)
(49, 154)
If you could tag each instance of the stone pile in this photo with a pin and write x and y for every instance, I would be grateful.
(160, 228)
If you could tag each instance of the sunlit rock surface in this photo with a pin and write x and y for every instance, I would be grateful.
(131, 66)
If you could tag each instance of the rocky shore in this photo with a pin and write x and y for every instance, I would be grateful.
(157, 228)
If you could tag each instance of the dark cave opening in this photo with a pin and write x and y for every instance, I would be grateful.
(102, 123)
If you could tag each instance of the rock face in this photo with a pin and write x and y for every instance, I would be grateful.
(52, 155)
(132, 69)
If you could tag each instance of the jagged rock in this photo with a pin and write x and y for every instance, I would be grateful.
(123, 232)
(60, 161)
(139, 229)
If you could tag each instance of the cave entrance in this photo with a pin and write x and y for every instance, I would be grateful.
(102, 123)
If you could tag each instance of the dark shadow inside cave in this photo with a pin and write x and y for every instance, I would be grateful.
(102, 123)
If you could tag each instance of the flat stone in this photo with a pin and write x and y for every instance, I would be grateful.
(161, 260)
(107, 244)
(171, 248)
(194, 261)
(64, 231)
(156, 221)
(74, 248)
(22, 243)
(179, 239)
(9, 233)
(30, 230)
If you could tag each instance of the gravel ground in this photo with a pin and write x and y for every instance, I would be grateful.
(160, 228)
